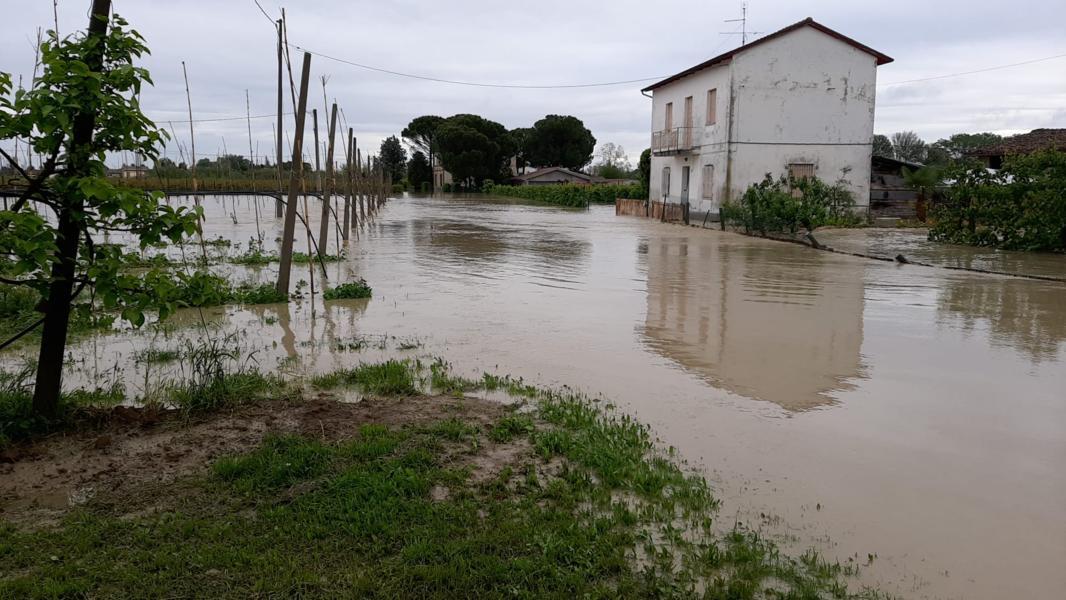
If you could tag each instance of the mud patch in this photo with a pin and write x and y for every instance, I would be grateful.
(132, 457)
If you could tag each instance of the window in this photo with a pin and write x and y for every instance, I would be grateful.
(669, 116)
(664, 186)
(708, 182)
(712, 106)
(801, 170)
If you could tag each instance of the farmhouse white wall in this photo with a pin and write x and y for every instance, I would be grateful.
(803, 97)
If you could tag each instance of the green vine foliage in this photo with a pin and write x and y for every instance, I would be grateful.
(44, 117)
(1020, 207)
(787, 204)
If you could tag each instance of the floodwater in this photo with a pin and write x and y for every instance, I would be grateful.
(908, 417)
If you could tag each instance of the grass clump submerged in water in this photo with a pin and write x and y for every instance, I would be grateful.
(390, 378)
(203, 289)
(575, 501)
(350, 290)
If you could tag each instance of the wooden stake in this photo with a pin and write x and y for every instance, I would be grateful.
(328, 184)
(192, 136)
(318, 165)
(251, 159)
(192, 168)
(294, 182)
(347, 221)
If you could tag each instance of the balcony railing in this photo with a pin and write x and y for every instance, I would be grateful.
(672, 141)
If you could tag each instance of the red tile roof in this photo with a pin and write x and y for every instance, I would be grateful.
(1025, 143)
(808, 22)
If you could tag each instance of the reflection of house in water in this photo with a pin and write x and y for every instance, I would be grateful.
(764, 320)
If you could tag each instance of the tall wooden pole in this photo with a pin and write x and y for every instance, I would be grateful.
(318, 164)
(327, 188)
(294, 182)
(280, 132)
(346, 226)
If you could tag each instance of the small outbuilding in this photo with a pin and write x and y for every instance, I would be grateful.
(554, 176)
(890, 196)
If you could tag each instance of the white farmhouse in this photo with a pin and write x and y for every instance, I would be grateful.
(799, 101)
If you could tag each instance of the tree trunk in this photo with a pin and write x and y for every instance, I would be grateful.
(57, 308)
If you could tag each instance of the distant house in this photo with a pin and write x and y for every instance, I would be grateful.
(440, 176)
(799, 101)
(133, 171)
(555, 175)
(1025, 143)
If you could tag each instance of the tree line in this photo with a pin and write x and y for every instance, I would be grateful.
(908, 146)
(475, 149)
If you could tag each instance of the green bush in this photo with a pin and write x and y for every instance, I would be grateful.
(787, 204)
(426, 187)
(397, 188)
(1021, 207)
(264, 293)
(446, 188)
(352, 289)
(569, 194)
(487, 186)
(202, 289)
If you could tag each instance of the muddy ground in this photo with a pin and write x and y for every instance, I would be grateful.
(136, 454)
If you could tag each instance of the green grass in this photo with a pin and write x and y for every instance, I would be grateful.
(17, 420)
(256, 257)
(349, 290)
(585, 506)
(203, 289)
(442, 381)
(157, 355)
(390, 378)
(222, 390)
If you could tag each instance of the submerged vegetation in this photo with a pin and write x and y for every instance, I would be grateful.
(787, 204)
(569, 194)
(202, 289)
(554, 495)
(350, 290)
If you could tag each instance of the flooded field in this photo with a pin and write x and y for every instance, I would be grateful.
(907, 417)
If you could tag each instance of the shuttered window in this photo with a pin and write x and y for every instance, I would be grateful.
(665, 185)
(708, 182)
(712, 106)
(801, 170)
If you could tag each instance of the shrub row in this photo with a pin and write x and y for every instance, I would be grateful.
(569, 194)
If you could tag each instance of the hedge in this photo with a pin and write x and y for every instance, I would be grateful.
(568, 194)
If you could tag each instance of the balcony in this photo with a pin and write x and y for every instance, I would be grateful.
(676, 140)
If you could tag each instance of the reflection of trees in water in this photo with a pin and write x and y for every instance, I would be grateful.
(762, 320)
(1025, 315)
(467, 242)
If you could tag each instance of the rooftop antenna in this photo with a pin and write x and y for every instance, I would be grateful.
(743, 20)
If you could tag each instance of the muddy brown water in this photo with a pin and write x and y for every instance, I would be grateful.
(909, 414)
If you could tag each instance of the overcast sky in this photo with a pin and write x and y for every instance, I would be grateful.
(229, 46)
